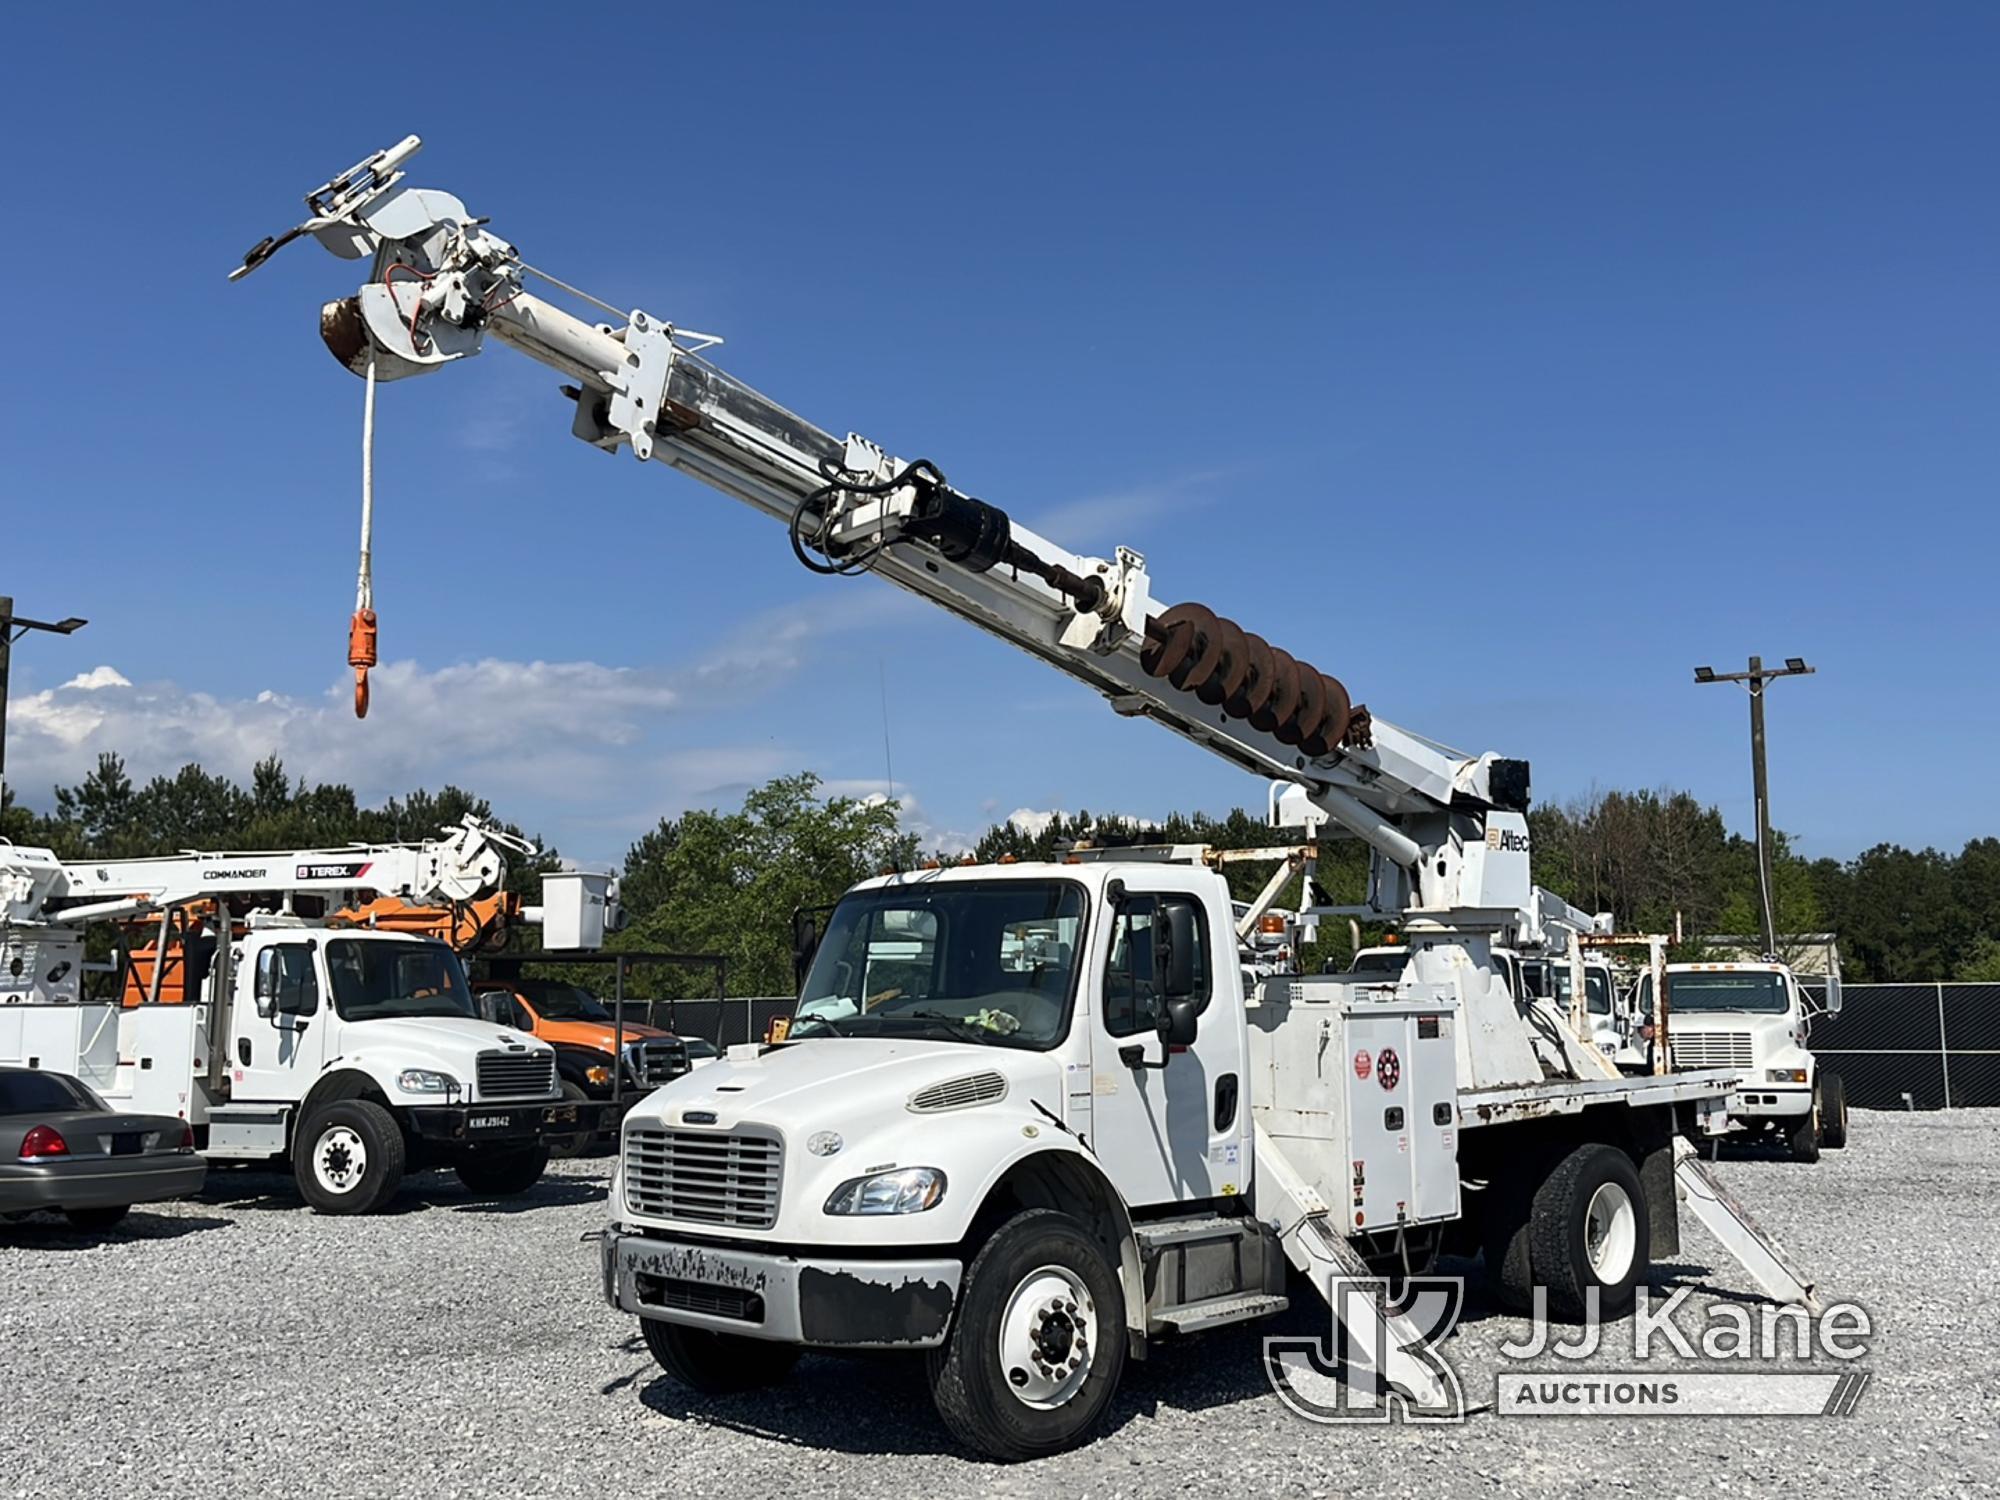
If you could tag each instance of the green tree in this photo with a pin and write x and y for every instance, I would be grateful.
(728, 882)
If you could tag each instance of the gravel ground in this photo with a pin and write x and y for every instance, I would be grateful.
(238, 1345)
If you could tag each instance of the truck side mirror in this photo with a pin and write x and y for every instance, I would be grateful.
(1833, 994)
(805, 943)
(266, 987)
(1178, 1022)
(1174, 949)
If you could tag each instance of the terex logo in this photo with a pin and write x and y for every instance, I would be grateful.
(1507, 840)
(235, 872)
(347, 871)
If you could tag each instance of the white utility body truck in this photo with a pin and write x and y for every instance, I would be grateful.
(351, 1054)
(1755, 1020)
(1028, 1121)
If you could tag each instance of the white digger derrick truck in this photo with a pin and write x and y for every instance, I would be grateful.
(1026, 1119)
(351, 1055)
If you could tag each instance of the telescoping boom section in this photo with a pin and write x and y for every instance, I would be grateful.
(439, 282)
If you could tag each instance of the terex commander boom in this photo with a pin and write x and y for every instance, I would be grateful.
(1029, 1120)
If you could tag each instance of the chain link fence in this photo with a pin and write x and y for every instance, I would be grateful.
(1930, 1046)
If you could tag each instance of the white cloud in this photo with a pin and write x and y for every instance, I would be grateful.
(1034, 822)
(486, 723)
(1121, 516)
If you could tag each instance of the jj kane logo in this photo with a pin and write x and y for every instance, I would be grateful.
(1382, 1358)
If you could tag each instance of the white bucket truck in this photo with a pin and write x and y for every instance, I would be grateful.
(348, 1054)
(1027, 1121)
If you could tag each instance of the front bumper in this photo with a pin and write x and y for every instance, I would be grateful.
(824, 1302)
(1771, 1101)
(99, 1182)
(471, 1124)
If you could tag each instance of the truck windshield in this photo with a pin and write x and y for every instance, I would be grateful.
(1388, 962)
(378, 979)
(555, 1001)
(1763, 993)
(1596, 989)
(968, 961)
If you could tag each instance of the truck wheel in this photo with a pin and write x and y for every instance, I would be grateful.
(1832, 1111)
(1503, 1233)
(95, 1219)
(563, 1147)
(502, 1172)
(717, 1364)
(1038, 1344)
(1803, 1137)
(349, 1158)
(1589, 1229)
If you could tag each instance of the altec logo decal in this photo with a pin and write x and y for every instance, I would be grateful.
(1507, 840)
(352, 870)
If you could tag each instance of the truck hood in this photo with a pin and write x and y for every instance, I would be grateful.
(844, 1082)
(446, 1042)
(592, 1034)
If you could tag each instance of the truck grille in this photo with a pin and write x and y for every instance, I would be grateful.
(703, 1178)
(518, 1075)
(699, 1297)
(1709, 1049)
(656, 1060)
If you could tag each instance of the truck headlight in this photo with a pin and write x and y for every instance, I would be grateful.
(425, 1081)
(598, 1076)
(1785, 1075)
(910, 1190)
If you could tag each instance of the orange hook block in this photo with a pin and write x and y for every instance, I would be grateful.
(361, 656)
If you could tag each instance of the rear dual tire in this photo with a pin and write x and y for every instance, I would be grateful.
(1576, 1224)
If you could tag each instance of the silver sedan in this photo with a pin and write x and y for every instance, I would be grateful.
(63, 1148)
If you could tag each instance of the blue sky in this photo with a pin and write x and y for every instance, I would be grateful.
(1506, 362)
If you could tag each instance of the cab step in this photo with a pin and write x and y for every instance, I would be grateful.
(1218, 1312)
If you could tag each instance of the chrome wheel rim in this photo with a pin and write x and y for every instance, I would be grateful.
(1047, 1335)
(340, 1159)
(1610, 1234)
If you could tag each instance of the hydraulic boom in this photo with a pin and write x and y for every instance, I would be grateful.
(439, 282)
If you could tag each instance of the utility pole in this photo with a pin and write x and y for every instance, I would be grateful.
(1755, 679)
(12, 628)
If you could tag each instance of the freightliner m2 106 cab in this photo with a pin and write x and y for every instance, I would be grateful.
(351, 1055)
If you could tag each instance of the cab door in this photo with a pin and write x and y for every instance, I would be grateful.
(1169, 1124)
(278, 1043)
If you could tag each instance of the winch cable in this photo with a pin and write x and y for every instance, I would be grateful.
(361, 629)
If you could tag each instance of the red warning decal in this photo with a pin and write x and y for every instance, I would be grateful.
(1388, 1068)
(1362, 1063)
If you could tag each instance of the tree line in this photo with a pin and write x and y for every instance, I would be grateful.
(726, 882)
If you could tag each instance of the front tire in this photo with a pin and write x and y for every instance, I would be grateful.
(494, 1173)
(1803, 1137)
(349, 1158)
(564, 1147)
(717, 1364)
(1832, 1112)
(1589, 1231)
(1038, 1344)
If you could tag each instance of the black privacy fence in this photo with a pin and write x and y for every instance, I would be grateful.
(1931, 1046)
(1937, 1044)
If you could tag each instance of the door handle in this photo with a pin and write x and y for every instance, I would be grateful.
(243, 1050)
(1225, 1102)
